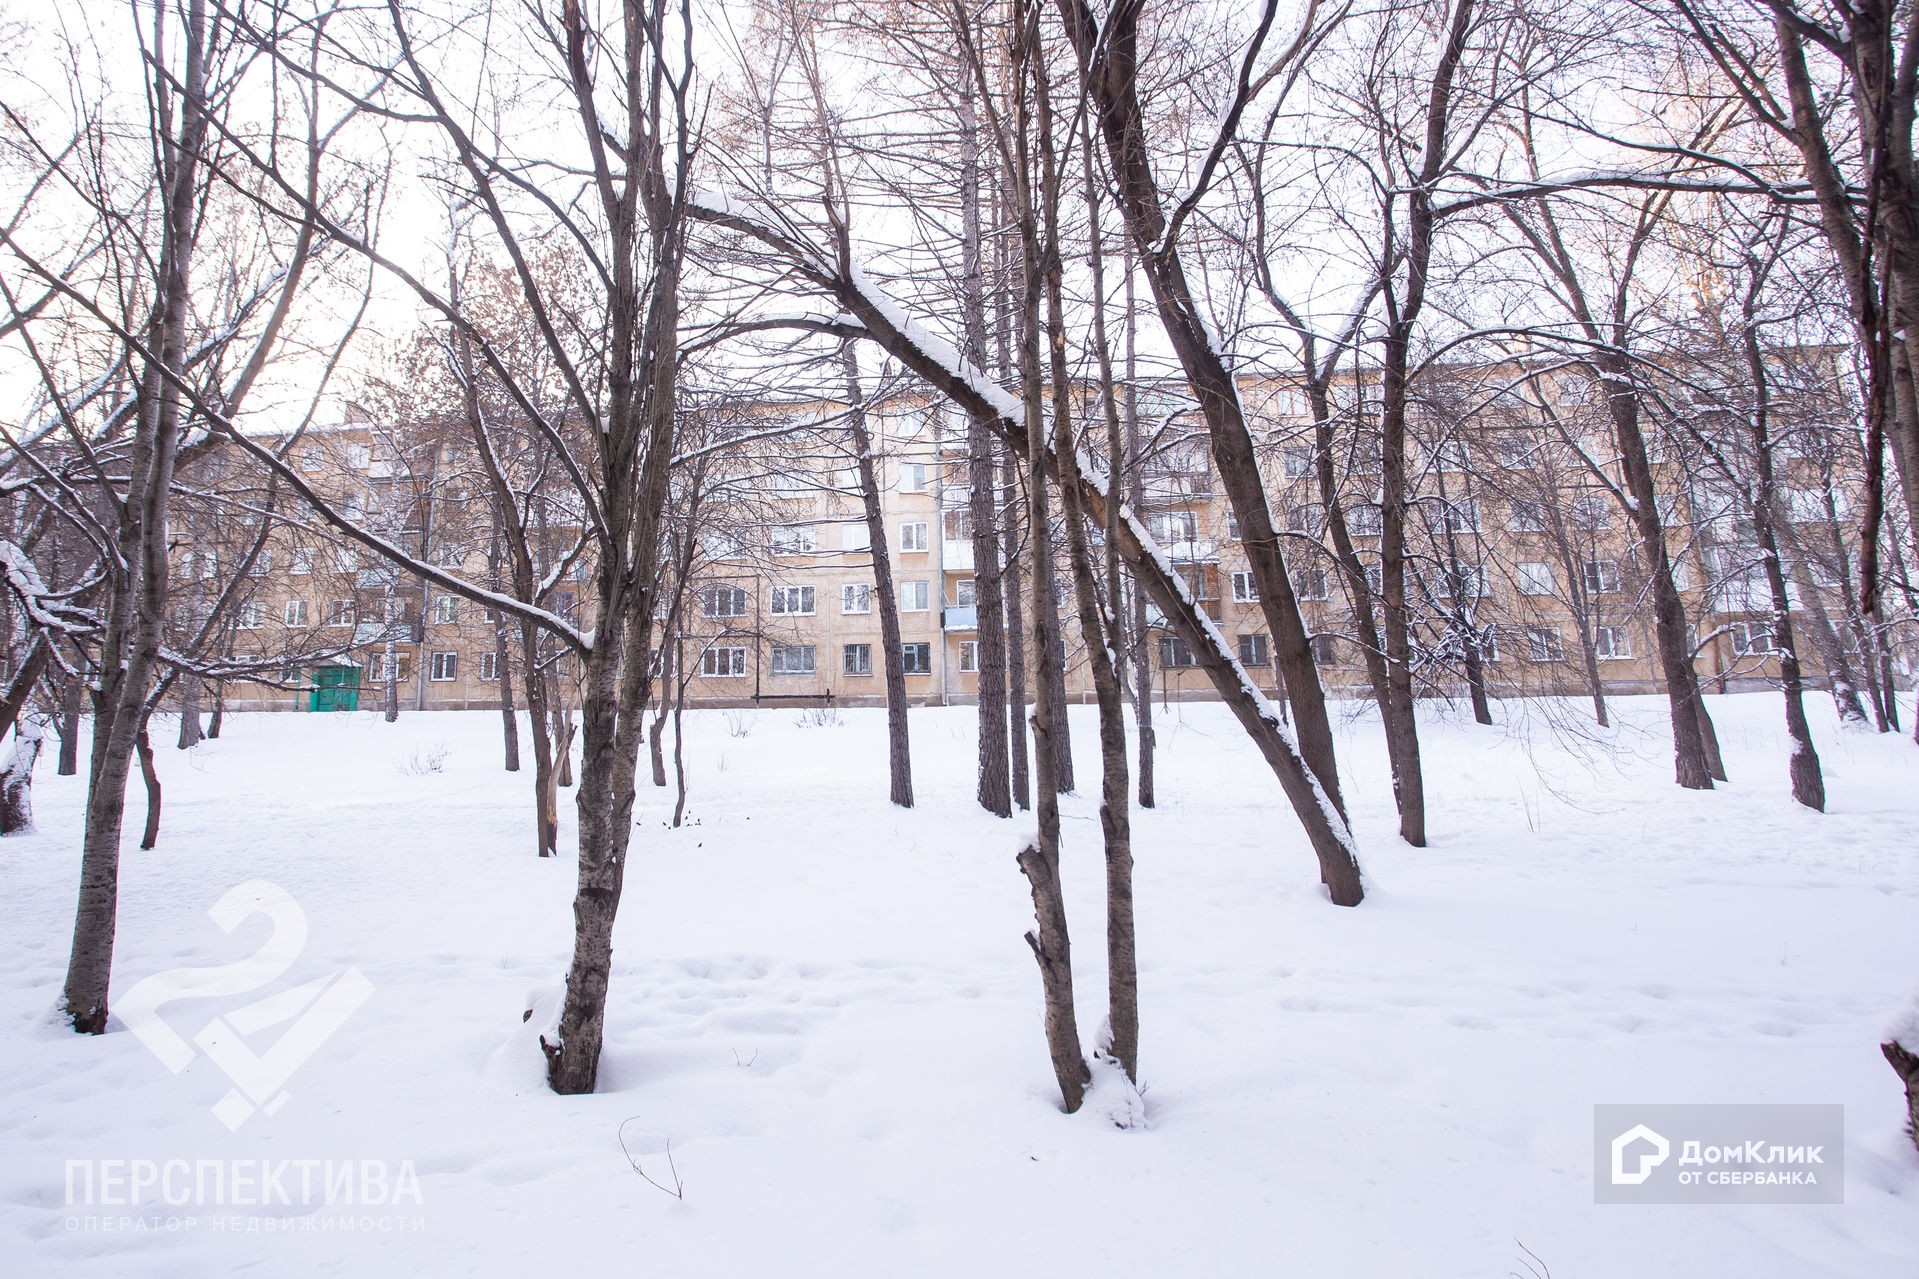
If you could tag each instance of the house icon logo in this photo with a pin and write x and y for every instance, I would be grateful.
(1645, 1160)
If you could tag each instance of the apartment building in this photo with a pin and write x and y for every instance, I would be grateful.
(1518, 545)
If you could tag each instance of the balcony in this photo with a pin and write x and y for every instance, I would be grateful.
(1199, 550)
(957, 556)
(960, 617)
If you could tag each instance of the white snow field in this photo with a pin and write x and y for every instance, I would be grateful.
(825, 1006)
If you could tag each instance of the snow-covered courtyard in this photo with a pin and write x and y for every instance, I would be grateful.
(825, 1007)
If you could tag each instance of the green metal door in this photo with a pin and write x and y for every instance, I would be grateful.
(335, 688)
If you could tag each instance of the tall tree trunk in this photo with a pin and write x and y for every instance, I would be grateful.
(563, 732)
(995, 791)
(1039, 859)
(1136, 495)
(1015, 597)
(70, 690)
(1808, 785)
(655, 736)
(899, 758)
(192, 733)
(679, 752)
(137, 586)
(509, 716)
(218, 719)
(1122, 966)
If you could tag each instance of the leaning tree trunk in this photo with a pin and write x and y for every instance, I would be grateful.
(655, 737)
(218, 719)
(16, 780)
(151, 776)
(898, 744)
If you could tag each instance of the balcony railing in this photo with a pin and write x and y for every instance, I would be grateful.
(956, 555)
(960, 617)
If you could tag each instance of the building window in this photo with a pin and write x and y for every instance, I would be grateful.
(312, 458)
(913, 477)
(1311, 584)
(1232, 526)
(797, 539)
(1173, 653)
(723, 663)
(913, 535)
(302, 561)
(965, 593)
(856, 537)
(1591, 512)
(1305, 519)
(959, 524)
(1528, 517)
(1254, 651)
(1367, 520)
(1452, 456)
(1611, 642)
(793, 601)
(377, 672)
(1298, 463)
(969, 657)
(1602, 576)
(1245, 590)
(358, 456)
(723, 601)
(1542, 644)
(793, 659)
(295, 613)
(1324, 652)
(346, 559)
(1753, 639)
(489, 667)
(340, 613)
(723, 546)
(914, 597)
(1462, 516)
(446, 666)
(917, 659)
(1515, 452)
(1535, 579)
(857, 659)
(446, 609)
(1175, 526)
(249, 615)
(856, 597)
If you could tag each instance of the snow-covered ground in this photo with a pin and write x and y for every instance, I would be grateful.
(825, 1006)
